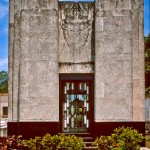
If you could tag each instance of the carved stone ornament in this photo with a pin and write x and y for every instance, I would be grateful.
(76, 22)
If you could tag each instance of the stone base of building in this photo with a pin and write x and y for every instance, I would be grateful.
(32, 129)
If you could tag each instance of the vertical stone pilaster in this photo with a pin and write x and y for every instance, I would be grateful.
(119, 60)
(33, 75)
(138, 60)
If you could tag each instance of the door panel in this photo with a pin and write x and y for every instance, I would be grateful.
(76, 102)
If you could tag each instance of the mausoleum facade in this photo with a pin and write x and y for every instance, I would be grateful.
(75, 67)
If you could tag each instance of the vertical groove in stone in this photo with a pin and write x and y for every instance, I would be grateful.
(14, 51)
(16, 61)
(10, 60)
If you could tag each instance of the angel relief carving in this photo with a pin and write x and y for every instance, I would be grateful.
(76, 20)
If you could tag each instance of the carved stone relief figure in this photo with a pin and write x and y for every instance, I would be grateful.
(75, 38)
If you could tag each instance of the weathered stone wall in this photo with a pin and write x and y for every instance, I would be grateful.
(119, 60)
(33, 61)
(108, 43)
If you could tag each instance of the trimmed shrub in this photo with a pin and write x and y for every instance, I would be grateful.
(122, 139)
(32, 144)
(71, 142)
(48, 142)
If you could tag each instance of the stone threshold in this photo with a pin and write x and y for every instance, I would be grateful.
(144, 148)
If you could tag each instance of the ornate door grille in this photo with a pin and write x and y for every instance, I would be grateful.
(76, 105)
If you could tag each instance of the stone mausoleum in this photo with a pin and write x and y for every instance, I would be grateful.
(75, 67)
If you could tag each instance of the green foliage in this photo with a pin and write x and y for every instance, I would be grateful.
(147, 65)
(122, 139)
(50, 142)
(104, 142)
(147, 54)
(147, 61)
(147, 42)
(32, 144)
(3, 82)
(55, 142)
(72, 142)
(147, 141)
(127, 138)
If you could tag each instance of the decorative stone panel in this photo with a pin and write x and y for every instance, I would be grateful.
(76, 37)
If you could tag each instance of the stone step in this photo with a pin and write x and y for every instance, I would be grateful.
(76, 134)
(86, 148)
(87, 139)
(144, 148)
(91, 148)
(85, 136)
(88, 144)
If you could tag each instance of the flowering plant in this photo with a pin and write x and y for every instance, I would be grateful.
(10, 142)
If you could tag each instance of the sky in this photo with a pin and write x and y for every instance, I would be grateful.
(4, 29)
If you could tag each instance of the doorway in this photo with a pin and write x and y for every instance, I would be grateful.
(76, 102)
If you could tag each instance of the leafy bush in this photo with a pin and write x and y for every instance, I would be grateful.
(122, 139)
(71, 142)
(32, 144)
(55, 142)
(50, 142)
(147, 141)
(104, 143)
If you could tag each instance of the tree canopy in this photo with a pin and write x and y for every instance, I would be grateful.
(147, 65)
(3, 82)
